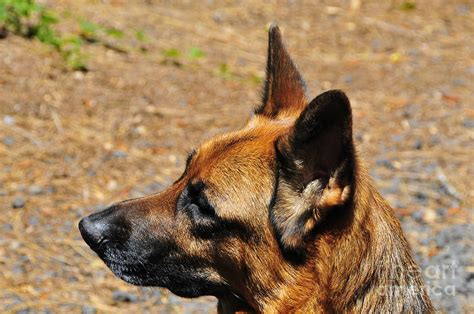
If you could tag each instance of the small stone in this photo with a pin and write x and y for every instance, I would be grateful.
(386, 163)
(108, 146)
(140, 130)
(376, 44)
(413, 52)
(417, 215)
(66, 227)
(399, 204)
(124, 296)
(51, 189)
(18, 270)
(435, 140)
(78, 75)
(463, 9)
(459, 82)
(7, 227)
(331, 10)
(119, 154)
(183, 102)
(35, 189)
(425, 241)
(112, 185)
(86, 309)
(397, 138)
(8, 140)
(468, 123)
(218, 17)
(72, 278)
(470, 69)
(418, 144)
(442, 212)
(429, 215)
(33, 221)
(14, 245)
(8, 120)
(440, 240)
(347, 79)
(18, 202)
(420, 197)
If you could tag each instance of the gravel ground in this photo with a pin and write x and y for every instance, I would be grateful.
(73, 142)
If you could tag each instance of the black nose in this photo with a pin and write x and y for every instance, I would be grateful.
(103, 227)
(92, 231)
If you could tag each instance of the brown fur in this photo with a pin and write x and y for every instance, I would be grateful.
(316, 237)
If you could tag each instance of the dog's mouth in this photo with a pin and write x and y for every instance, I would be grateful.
(183, 276)
(178, 277)
(135, 274)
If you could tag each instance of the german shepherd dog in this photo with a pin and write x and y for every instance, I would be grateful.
(277, 217)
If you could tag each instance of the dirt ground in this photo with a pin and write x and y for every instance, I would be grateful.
(73, 142)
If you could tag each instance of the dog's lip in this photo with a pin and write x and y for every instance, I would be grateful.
(124, 266)
(126, 271)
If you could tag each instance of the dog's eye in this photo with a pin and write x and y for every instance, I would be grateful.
(201, 205)
(194, 203)
(205, 222)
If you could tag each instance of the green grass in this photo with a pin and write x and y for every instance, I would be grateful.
(408, 6)
(196, 53)
(29, 19)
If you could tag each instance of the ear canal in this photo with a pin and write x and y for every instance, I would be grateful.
(316, 174)
(322, 135)
(284, 89)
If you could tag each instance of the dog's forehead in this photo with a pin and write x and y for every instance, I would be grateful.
(238, 151)
(239, 159)
(251, 144)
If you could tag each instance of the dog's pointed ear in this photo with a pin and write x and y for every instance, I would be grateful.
(316, 169)
(284, 89)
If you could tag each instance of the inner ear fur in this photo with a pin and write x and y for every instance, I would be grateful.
(316, 169)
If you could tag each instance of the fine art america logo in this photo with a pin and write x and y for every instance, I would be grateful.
(439, 280)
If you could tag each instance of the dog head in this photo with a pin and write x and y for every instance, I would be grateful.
(244, 213)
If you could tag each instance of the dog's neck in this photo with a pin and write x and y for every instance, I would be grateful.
(380, 272)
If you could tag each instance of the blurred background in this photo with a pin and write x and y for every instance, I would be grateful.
(101, 100)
